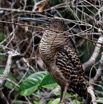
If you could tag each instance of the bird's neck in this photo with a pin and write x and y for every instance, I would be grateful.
(50, 44)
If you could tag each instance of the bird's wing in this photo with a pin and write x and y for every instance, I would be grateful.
(69, 64)
(68, 61)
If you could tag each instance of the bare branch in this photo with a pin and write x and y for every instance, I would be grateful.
(91, 92)
(95, 54)
(6, 72)
(2, 96)
(99, 72)
(90, 89)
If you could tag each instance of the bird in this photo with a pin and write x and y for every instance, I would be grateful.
(57, 51)
(59, 55)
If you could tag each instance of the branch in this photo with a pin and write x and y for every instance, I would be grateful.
(3, 99)
(92, 81)
(99, 72)
(6, 72)
(20, 24)
(16, 10)
(95, 54)
(92, 94)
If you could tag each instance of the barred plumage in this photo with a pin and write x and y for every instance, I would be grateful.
(63, 63)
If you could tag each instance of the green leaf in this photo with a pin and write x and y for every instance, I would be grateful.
(35, 81)
(32, 83)
(70, 95)
(99, 101)
(8, 84)
(2, 57)
(56, 101)
(49, 86)
(36, 102)
(1, 36)
(77, 102)
(48, 82)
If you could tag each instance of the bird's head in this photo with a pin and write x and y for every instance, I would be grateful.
(57, 25)
(54, 24)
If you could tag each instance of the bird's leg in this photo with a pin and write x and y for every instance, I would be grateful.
(63, 92)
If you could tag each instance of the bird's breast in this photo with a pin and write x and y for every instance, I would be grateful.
(46, 51)
(50, 44)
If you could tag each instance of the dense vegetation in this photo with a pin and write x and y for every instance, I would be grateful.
(23, 75)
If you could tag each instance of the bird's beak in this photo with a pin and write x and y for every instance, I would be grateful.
(33, 19)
